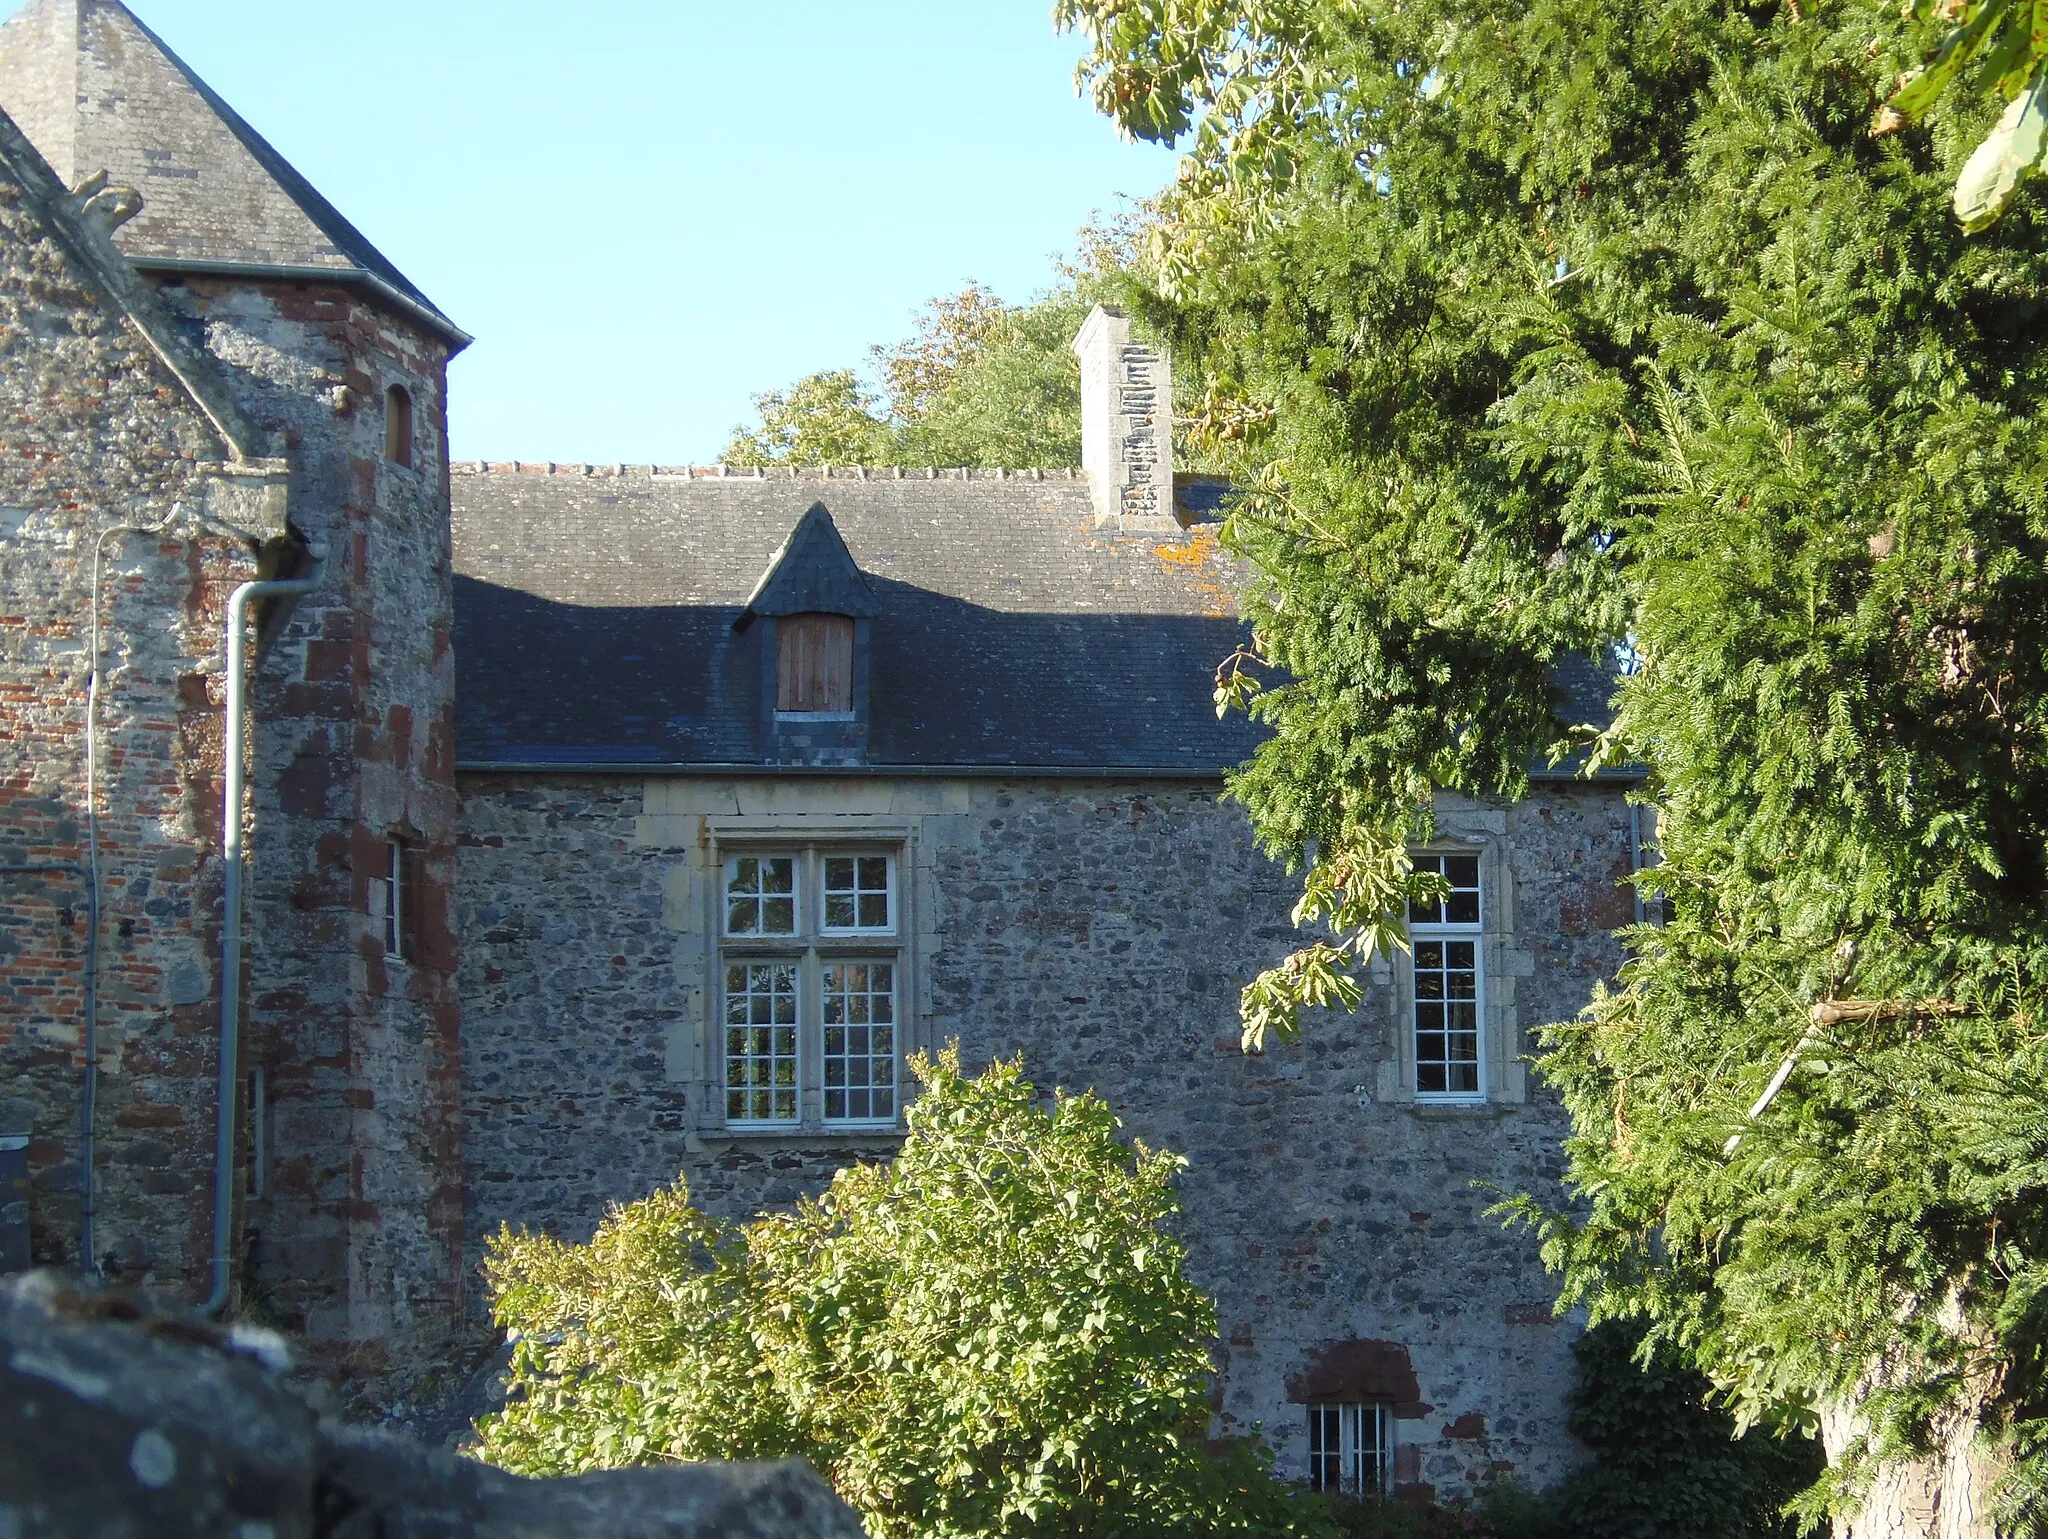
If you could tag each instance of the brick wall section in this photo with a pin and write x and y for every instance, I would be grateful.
(95, 433)
(1103, 929)
(357, 1238)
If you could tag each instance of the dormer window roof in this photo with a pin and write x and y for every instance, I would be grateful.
(811, 573)
(816, 610)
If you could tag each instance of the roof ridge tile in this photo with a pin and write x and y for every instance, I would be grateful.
(759, 473)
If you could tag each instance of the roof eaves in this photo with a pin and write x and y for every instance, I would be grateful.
(858, 771)
(359, 277)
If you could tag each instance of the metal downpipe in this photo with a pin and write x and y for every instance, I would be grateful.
(235, 735)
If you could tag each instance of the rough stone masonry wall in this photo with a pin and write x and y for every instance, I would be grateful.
(1103, 929)
(354, 1226)
(94, 433)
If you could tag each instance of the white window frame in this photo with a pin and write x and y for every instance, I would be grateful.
(813, 950)
(1448, 932)
(761, 895)
(1362, 1463)
(825, 892)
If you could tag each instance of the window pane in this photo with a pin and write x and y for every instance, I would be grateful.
(857, 892)
(760, 895)
(1463, 871)
(860, 1041)
(760, 1042)
(1462, 908)
(1446, 1023)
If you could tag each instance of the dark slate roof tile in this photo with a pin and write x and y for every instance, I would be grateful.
(594, 621)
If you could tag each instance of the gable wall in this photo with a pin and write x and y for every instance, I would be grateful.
(94, 433)
(1102, 928)
(355, 1238)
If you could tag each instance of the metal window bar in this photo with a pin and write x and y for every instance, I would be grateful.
(394, 899)
(1350, 1448)
(860, 1041)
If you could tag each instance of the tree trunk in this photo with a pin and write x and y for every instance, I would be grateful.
(1945, 1495)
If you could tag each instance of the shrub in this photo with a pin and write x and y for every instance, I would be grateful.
(992, 1335)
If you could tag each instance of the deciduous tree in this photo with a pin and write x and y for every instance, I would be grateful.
(978, 382)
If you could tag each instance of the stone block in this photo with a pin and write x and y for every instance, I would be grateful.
(120, 1424)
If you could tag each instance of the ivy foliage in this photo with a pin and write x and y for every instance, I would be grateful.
(992, 1335)
(1667, 1463)
(1547, 333)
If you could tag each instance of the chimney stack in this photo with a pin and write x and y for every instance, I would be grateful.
(1126, 424)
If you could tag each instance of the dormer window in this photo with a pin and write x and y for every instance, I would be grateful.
(398, 426)
(815, 610)
(814, 665)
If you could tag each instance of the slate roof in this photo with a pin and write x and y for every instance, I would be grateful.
(595, 615)
(95, 90)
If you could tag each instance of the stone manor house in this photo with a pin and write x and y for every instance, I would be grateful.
(607, 822)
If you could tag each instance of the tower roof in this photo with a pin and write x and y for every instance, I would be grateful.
(96, 90)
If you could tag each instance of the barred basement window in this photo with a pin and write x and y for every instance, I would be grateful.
(1449, 983)
(811, 988)
(1350, 1448)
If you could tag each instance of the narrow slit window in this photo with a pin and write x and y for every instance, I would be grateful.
(398, 425)
(860, 1041)
(1350, 1448)
(814, 665)
(394, 896)
(1446, 936)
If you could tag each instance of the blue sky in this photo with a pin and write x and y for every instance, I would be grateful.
(647, 210)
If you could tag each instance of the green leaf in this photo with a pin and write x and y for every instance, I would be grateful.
(1957, 49)
(2009, 153)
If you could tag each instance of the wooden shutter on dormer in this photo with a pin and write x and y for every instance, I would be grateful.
(814, 669)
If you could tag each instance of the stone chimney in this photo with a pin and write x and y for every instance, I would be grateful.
(1126, 424)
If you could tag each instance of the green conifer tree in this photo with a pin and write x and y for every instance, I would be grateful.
(1535, 329)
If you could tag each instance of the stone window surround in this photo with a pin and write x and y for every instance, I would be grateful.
(703, 1067)
(392, 897)
(1465, 829)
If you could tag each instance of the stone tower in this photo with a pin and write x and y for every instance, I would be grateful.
(351, 1208)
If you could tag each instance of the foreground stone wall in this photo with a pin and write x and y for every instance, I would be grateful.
(115, 1423)
(1103, 929)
